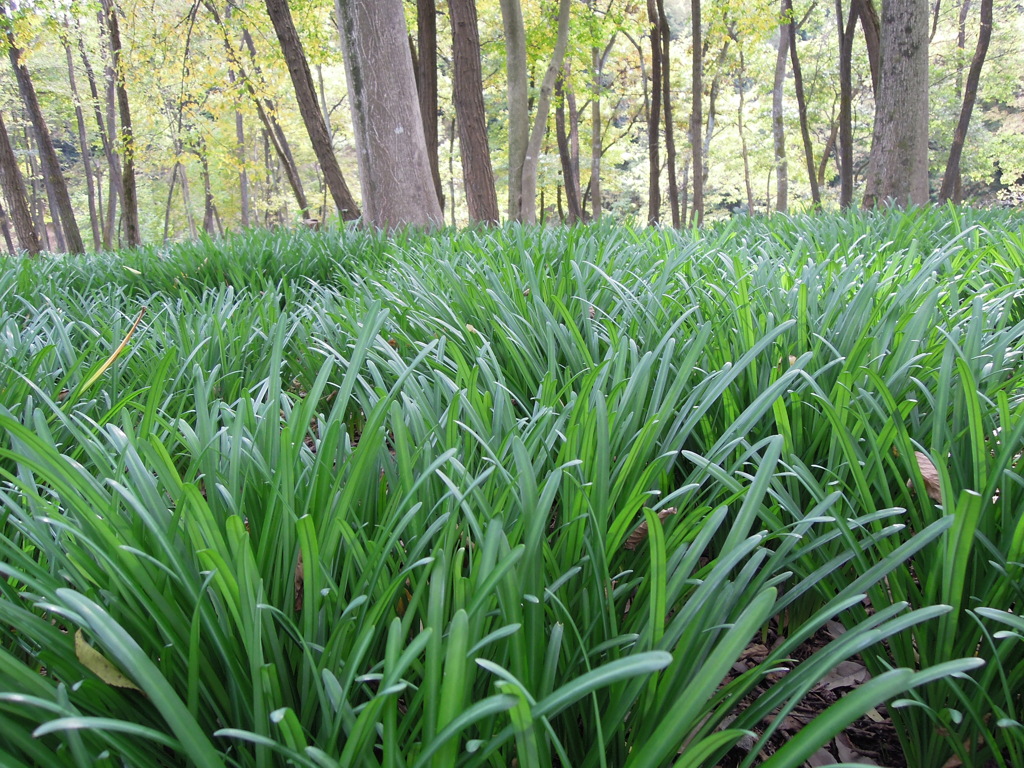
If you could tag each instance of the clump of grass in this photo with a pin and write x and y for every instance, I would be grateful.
(345, 500)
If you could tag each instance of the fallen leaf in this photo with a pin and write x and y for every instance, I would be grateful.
(847, 753)
(820, 758)
(99, 665)
(930, 474)
(300, 581)
(636, 538)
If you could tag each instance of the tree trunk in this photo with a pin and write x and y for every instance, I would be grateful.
(666, 107)
(595, 137)
(697, 119)
(569, 159)
(305, 95)
(394, 170)
(131, 200)
(845, 105)
(898, 165)
(540, 117)
(14, 191)
(951, 177)
(778, 122)
(654, 119)
(426, 82)
(865, 11)
(518, 103)
(801, 102)
(51, 164)
(83, 142)
(468, 96)
(743, 142)
(712, 103)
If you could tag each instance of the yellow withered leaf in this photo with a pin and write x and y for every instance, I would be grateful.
(932, 484)
(99, 665)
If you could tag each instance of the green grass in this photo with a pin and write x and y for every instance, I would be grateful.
(457, 435)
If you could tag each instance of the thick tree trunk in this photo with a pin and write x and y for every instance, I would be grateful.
(951, 178)
(697, 118)
(778, 121)
(540, 117)
(394, 171)
(468, 95)
(801, 102)
(898, 165)
(569, 159)
(51, 164)
(666, 108)
(426, 83)
(518, 103)
(131, 199)
(14, 191)
(305, 95)
(654, 119)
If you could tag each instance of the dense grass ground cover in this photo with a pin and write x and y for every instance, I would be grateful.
(543, 488)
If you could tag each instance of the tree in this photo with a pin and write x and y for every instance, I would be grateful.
(654, 118)
(51, 165)
(394, 171)
(14, 191)
(898, 164)
(131, 199)
(518, 104)
(540, 117)
(312, 117)
(801, 101)
(697, 118)
(951, 178)
(568, 148)
(426, 81)
(467, 93)
(778, 123)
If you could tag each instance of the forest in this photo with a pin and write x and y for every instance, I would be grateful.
(132, 122)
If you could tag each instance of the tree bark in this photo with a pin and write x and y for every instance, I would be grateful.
(865, 11)
(951, 177)
(801, 101)
(697, 119)
(131, 199)
(778, 122)
(518, 103)
(569, 159)
(14, 192)
(743, 142)
(654, 119)
(666, 108)
(468, 95)
(845, 104)
(540, 117)
(898, 164)
(51, 164)
(426, 82)
(83, 143)
(712, 105)
(394, 171)
(305, 95)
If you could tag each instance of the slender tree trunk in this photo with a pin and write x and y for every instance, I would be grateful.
(743, 141)
(865, 11)
(798, 84)
(898, 164)
(467, 94)
(83, 142)
(14, 191)
(697, 119)
(826, 153)
(51, 164)
(654, 119)
(394, 171)
(595, 137)
(709, 131)
(540, 118)
(305, 94)
(569, 159)
(131, 200)
(950, 179)
(518, 103)
(426, 83)
(666, 107)
(845, 105)
(51, 201)
(778, 122)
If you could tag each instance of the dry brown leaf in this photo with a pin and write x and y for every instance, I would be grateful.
(300, 581)
(874, 716)
(637, 537)
(99, 665)
(930, 474)
(953, 762)
(848, 753)
(820, 759)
